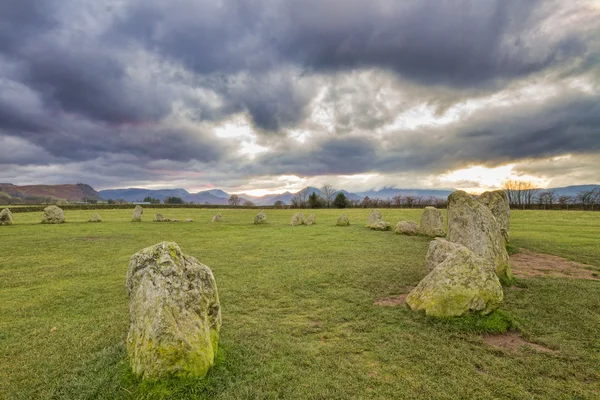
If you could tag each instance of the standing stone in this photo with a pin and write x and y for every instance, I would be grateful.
(260, 218)
(158, 217)
(432, 222)
(407, 228)
(473, 225)
(311, 219)
(462, 283)
(497, 202)
(217, 218)
(343, 220)
(297, 219)
(53, 215)
(439, 250)
(95, 218)
(137, 214)
(373, 218)
(6, 217)
(174, 313)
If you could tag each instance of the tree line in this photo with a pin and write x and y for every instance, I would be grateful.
(524, 195)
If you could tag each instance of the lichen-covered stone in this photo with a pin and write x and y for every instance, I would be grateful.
(217, 218)
(6, 217)
(380, 226)
(137, 214)
(95, 218)
(297, 219)
(439, 250)
(461, 284)
(343, 220)
(473, 225)
(432, 222)
(497, 202)
(53, 215)
(311, 219)
(175, 316)
(373, 218)
(158, 217)
(407, 228)
(260, 218)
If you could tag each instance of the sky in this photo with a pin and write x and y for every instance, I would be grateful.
(273, 95)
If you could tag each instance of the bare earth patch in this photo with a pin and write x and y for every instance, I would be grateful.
(513, 341)
(527, 264)
(394, 300)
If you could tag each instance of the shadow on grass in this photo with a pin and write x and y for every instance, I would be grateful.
(497, 322)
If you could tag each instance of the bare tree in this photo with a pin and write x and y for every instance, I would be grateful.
(234, 200)
(588, 198)
(398, 200)
(328, 192)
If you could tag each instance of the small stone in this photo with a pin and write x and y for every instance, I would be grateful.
(6, 217)
(311, 219)
(407, 228)
(380, 226)
(373, 218)
(217, 218)
(53, 215)
(158, 217)
(189, 220)
(432, 222)
(95, 218)
(260, 218)
(343, 220)
(137, 214)
(297, 219)
(175, 315)
(463, 283)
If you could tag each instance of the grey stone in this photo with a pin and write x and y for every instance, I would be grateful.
(373, 218)
(260, 218)
(217, 218)
(432, 222)
(6, 217)
(297, 219)
(473, 225)
(53, 215)
(95, 218)
(439, 250)
(175, 315)
(407, 228)
(497, 202)
(343, 220)
(137, 214)
(311, 219)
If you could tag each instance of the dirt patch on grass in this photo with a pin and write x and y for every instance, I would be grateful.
(392, 301)
(513, 342)
(527, 264)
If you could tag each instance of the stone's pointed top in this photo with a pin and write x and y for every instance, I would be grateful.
(497, 202)
(137, 214)
(217, 218)
(174, 312)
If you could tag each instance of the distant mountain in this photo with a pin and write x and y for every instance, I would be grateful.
(388, 193)
(572, 190)
(138, 194)
(42, 193)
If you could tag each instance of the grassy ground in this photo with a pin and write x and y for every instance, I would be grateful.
(298, 315)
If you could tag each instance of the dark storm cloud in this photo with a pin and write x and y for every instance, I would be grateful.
(148, 80)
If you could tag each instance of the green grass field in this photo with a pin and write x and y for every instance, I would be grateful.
(299, 320)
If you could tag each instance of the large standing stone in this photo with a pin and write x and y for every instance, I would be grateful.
(95, 218)
(461, 284)
(343, 220)
(6, 217)
(53, 215)
(174, 311)
(497, 202)
(432, 222)
(439, 250)
(311, 219)
(217, 218)
(297, 219)
(373, 218)
(472, 224)
(137, 214)
(407, 228)
(260, 218)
